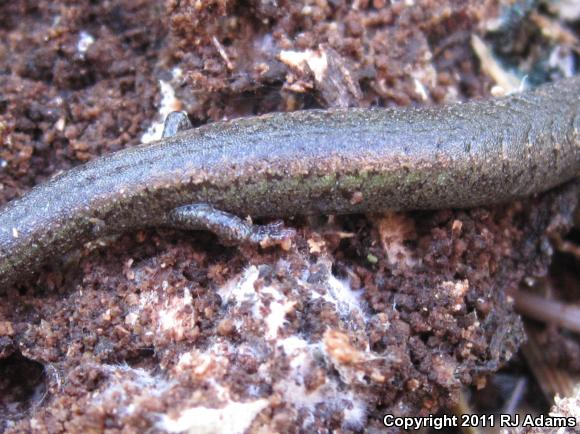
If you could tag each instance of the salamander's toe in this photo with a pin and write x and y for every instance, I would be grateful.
(176, 122)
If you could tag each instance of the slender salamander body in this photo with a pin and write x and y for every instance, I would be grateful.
(309, 162)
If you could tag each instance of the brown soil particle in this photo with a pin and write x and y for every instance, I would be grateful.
(163, 331)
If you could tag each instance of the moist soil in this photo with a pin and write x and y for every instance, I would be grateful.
(362, 316)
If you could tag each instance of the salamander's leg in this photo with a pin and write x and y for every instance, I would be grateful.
(174, 123)
(228, 227)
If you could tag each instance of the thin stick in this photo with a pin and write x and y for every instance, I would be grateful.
(548, 311)
(551, 379)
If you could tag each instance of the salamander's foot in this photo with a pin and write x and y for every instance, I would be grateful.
(228, 227)
(174, 123)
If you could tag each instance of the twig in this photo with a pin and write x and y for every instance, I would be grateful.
(512, 404)
(552, 380)
(461, 408)
(566, 246)
(548, 311)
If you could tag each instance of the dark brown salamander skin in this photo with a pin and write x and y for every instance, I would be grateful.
(310, 162)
